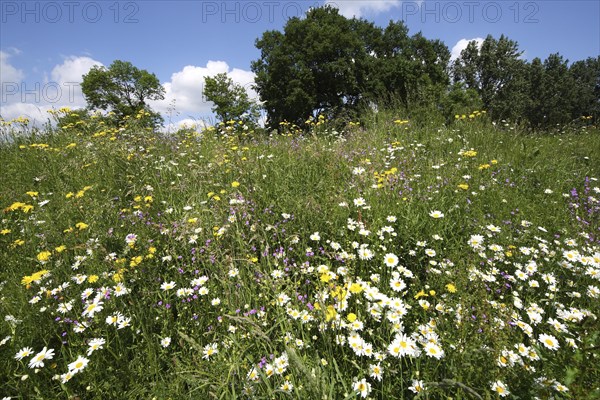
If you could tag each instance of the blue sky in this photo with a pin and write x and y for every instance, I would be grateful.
(45, 46)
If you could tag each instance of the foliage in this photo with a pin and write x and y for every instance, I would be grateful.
(124, 90)
(310, 67)
(552, 92)
(324, 64)
(328, 64)
(231, 101)
(586, 76)
(496, 72)
(542, 94)
(388, 261)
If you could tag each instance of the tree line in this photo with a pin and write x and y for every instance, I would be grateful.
(327, 64)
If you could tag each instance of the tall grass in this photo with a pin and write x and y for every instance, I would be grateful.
(388, 261)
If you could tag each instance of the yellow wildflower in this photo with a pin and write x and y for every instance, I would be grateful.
(118, 277)
(36, 276)
(356, 288)
(135, 261)
(14, 206)
(330, 313)
(43, 256)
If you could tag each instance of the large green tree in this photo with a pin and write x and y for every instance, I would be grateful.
(326, 63)
(551, 92)
(123, 89)
(231, 101)
(314, 66)
(497, 72)
(586, 81)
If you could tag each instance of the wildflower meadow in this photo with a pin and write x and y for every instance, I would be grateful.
(387, 260)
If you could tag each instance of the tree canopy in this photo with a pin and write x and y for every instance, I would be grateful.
(231, 101)
(309, 68)
(123, 89)
(326, 63)
(540, 93)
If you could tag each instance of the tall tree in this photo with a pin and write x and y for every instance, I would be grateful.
(429, 70)
(535, 109)
(328, 63)
(231, 101)
(310, 67)
(123, 89)
(553, 95)
(586, 77)
(558, 90)
(497, 73)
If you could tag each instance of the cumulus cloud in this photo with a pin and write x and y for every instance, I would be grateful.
(359, 8)
(69, 75)
(461, 45)
(184, 91)
(8, 73)
(62, 88)
(36, 113)
(73, 69)
(186, 123)
(33, 99)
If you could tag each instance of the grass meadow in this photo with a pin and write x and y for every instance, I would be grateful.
(393, 260)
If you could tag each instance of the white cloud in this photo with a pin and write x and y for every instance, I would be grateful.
(73, 69)
(33, 99)
(36, 113)
(358, 8)
(187, 123)
(184, 90)
(461, 45)
(61, 88)
(69, 75)
(8, 73)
